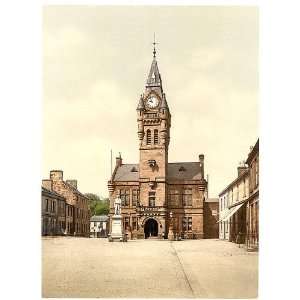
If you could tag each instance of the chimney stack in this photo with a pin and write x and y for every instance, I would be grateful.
(201, 160)
(119, 160)
(56, 175)
(72, 182)
(241, 168)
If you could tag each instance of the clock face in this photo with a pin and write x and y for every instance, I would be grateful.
(152, 101)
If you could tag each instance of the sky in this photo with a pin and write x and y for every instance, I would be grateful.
(95, 63)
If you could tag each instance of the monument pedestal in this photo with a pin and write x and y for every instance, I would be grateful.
(116, 229)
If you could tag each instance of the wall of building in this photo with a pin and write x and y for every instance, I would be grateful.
(252, 238)
(77, 209)
(211, 215)
(53, 217)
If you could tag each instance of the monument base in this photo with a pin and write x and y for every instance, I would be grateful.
(116, 229)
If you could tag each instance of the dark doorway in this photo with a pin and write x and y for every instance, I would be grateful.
(150, 228)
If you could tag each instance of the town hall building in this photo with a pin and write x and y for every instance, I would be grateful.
(159, 198)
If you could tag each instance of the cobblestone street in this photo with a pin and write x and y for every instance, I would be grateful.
(82, 267)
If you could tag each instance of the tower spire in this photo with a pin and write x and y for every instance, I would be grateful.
(154, 43)
(154, 78)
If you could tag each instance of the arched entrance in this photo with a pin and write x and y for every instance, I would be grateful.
(150, 228)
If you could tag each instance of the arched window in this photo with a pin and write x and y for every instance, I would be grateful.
(148, 137)
(155, 136)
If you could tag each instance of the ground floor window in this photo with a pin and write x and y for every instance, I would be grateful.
(134, 223)
(187, 223)
(126, 223)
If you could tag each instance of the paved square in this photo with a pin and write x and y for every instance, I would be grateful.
(91, 268)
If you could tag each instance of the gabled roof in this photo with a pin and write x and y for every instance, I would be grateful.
(176, 171)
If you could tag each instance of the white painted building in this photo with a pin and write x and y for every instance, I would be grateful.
(99, 226)
(224, 225)
(232, 218)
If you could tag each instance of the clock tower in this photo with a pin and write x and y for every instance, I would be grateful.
(159, 198)
(154, 122)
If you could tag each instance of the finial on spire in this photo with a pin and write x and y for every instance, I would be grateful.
(154, 43)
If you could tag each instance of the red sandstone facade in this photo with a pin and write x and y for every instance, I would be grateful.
(159, 198)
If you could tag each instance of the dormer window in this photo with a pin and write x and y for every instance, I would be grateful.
(182, 169)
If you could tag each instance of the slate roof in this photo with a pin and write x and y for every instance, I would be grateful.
(52, 193)
(189, 171)
(124, 173)
(98, 218)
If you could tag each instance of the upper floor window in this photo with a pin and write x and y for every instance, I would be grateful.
(135, 197)
(151, 199)
(155, 136)
(124, 195)
(256, 171)
(47, 204)
(148, 137)
(187, 197)
(174, 198)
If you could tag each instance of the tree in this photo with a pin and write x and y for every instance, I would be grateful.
(98, 205)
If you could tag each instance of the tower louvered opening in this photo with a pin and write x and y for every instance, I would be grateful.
(148, 137)
(155, 136)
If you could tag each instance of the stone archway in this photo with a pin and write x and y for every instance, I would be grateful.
(151, 228)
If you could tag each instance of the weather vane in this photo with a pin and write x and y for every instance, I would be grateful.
(154, 43)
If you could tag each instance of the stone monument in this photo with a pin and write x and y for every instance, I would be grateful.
(116, 223)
